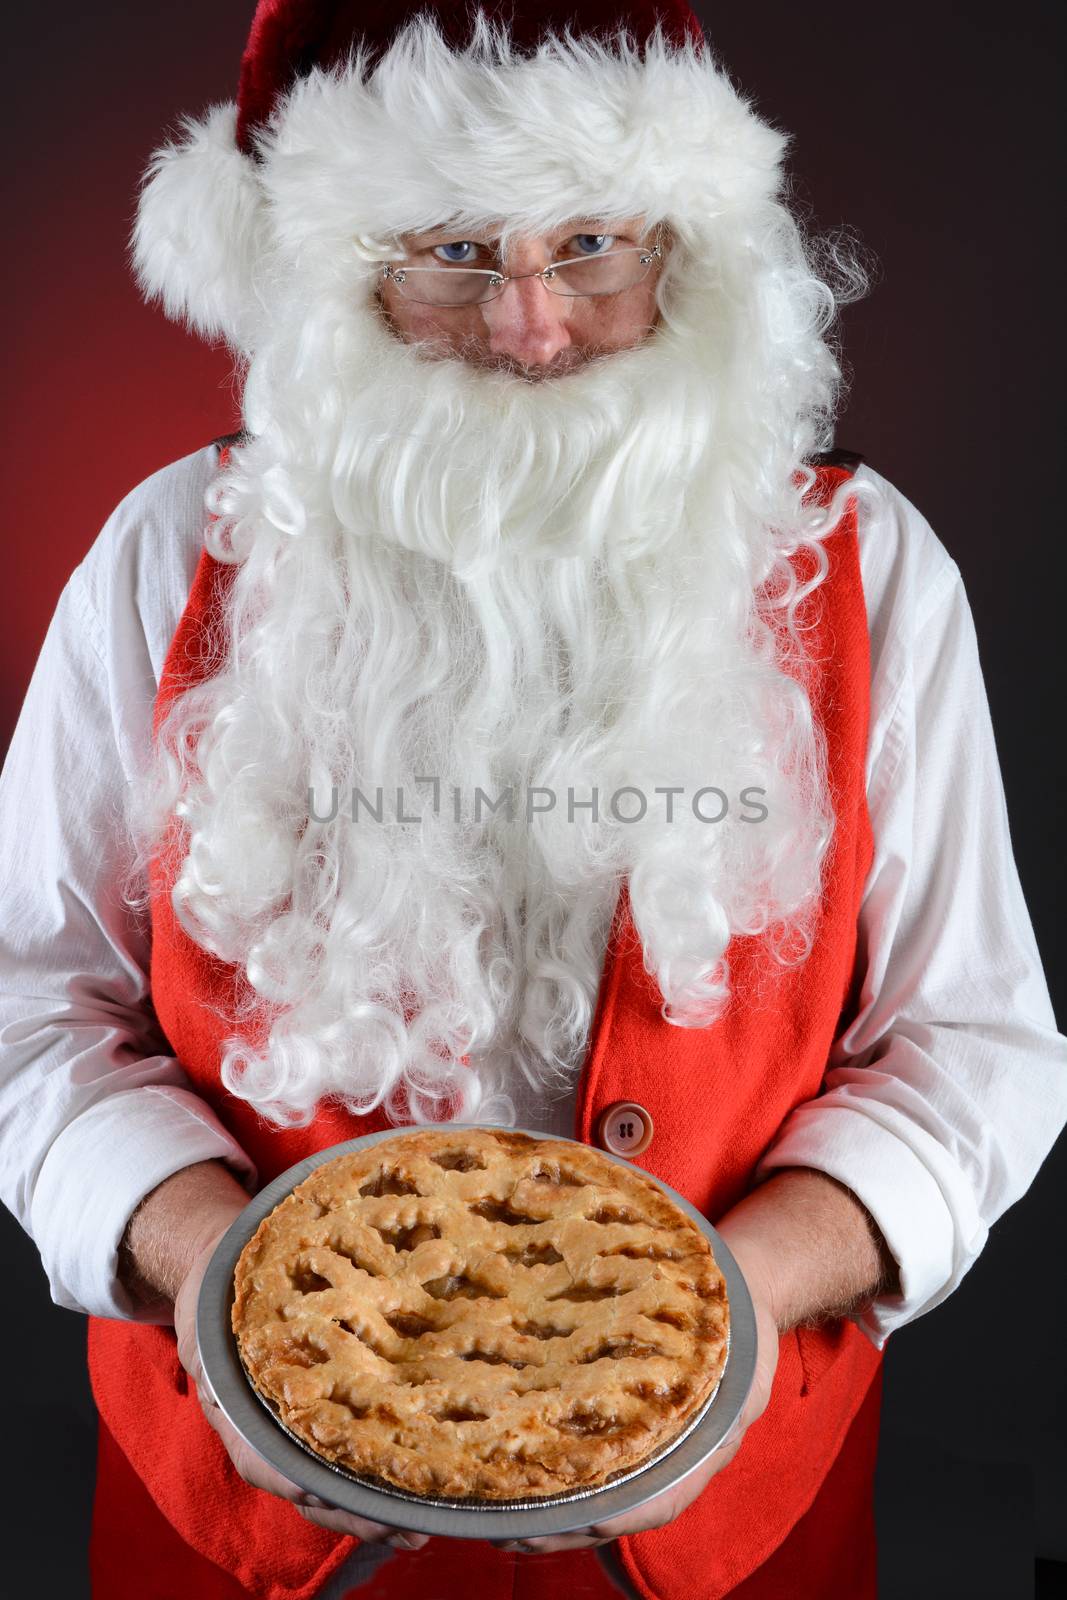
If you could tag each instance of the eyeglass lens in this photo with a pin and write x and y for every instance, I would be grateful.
(443, 285)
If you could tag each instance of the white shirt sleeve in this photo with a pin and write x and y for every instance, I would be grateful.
(946, 1090)
(943, 1095)
(95, 1110)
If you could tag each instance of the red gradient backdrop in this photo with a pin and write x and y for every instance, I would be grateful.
(935, 130)
(930, 129)
(101, 391)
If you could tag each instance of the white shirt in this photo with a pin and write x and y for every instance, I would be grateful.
(941, 1099)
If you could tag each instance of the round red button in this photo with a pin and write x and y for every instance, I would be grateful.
(625, 1129)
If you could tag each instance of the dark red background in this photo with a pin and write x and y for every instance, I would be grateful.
(934, 130)
(931, 129)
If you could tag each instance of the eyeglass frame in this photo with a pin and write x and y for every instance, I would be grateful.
(500, 279)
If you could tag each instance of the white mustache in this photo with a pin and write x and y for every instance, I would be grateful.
(447, 569)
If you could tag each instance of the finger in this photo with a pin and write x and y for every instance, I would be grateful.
(338, 1521)
(552, 1546)
(658, 1511)
(668, 1505)
(552, 1543)
(261, 1475)
(406, 1540)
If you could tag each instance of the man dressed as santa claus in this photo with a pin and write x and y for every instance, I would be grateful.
(539, 722)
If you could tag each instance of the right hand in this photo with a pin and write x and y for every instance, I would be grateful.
(251, 1466)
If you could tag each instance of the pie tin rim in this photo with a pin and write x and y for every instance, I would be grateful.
(262, 1429)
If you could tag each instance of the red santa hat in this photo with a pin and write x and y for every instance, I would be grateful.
(290, 37)
(357, 121)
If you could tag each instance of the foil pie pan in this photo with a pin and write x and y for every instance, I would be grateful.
(259, 1424)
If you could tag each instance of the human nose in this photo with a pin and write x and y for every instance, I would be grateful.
(527, 321)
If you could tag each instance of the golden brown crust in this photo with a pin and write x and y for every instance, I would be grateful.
(481, 1314)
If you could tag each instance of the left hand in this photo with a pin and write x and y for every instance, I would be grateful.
(673, 1501)
(250, 1465)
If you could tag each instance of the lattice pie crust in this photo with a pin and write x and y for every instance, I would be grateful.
(481, 1315)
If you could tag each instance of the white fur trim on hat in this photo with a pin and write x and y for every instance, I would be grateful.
(200, 230)
(351, 156)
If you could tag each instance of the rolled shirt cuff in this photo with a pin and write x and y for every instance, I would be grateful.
(95, 1175)
(904, 1193)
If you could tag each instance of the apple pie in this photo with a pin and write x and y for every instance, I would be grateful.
(481, 1315)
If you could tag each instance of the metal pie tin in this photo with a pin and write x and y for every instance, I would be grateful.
(257, 1421)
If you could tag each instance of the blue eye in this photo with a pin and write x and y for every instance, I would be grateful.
(457, 244)
(598, 239)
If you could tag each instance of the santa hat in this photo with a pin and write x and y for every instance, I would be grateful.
(356, 122)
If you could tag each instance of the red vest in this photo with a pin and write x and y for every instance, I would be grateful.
(717, 1098)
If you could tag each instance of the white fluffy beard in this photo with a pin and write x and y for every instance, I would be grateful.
(456, 574)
